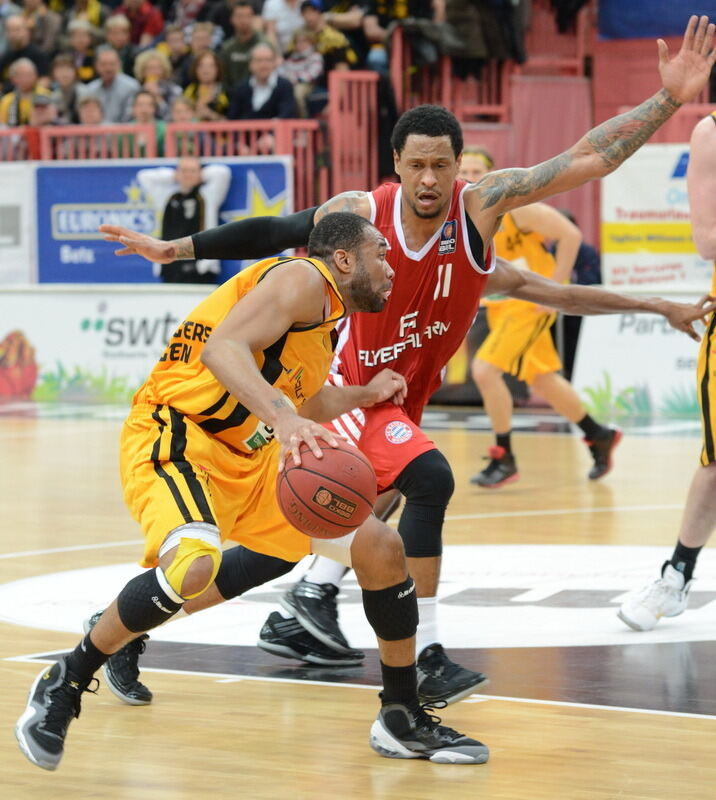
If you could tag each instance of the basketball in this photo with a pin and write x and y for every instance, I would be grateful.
(327, 497)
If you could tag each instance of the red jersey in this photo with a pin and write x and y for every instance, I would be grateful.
(434, 301)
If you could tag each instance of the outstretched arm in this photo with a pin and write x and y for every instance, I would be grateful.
(605, 147)
(701, 180)
(590, 300)
(332, 401)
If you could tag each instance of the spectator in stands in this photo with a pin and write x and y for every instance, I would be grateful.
(331, 43)
(347, 17)
(188, 143)
(153, 70)
(380, 14)
(303, 67)
(17, 33)
(265, 94)
(206, 88)
(117, 32)
(183, 110)
(146, 21)
(7, 9)
(81, 49)
(91, 11)
(175, 48)
(188, 199)
(90, 111)
(220, 16)
(200, 42)
(185, 13)
(235, 51)
(45, 26)
(282, 18)
(16, 105)
(44, 111)
(115, 89)
(144, 112)
(64, 88)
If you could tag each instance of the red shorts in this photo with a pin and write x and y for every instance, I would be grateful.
(388, 438)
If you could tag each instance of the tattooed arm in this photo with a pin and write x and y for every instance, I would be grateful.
(605, 147)
(357, 202)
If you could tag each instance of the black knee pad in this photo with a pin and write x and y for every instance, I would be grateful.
(143, 604)
(392, 612)
(427, 483)
(242, 569)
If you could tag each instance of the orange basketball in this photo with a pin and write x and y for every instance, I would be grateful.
(327, 497)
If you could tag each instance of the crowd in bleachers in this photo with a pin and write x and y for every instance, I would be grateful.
(64, 62)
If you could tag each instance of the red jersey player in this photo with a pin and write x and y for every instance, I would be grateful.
(434, 300)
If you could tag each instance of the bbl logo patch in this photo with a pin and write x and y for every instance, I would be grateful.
(448, 237)
(334, 503)
(397, 432)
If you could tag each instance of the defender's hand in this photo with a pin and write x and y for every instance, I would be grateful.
(682, 315)
(685, 75)
(139, 244)
(387, 385)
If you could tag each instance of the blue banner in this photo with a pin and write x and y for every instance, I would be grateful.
(650, 19)
(74, 200)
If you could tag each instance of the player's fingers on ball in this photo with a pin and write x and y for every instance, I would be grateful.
(310, 440)
(329, 438)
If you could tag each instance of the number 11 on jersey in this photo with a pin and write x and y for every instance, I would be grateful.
(442, 287)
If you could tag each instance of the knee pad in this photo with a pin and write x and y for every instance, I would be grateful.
(242, 569)
(392, 612)
(195, 541)
(147, 601)
(427, 483)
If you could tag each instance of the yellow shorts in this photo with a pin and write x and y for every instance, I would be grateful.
(706, 390)
(519, 341)
(174, 473)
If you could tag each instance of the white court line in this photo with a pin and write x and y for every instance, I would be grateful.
(74, 548)
(220, 677)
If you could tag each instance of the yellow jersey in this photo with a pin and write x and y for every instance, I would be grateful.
(297, 364)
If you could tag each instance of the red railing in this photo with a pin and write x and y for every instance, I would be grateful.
(303, 139)
(13, 144)
(353, 125)
(550, 52)
(72, 142)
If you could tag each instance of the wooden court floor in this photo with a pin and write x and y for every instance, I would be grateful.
(565, 717)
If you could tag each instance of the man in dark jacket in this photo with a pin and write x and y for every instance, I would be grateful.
(265, 95)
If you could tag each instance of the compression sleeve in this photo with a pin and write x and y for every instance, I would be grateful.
(259, 237)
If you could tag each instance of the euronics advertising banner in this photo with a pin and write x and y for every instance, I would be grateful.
(17, 223)
(73, 199)
(646, 233)
(636, 366)
(90, 344)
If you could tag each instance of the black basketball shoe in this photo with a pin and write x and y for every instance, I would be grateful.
(121, 670)
(53, 702)
(442, 680)
(314, 606)
(289, 639)
(501, 470)
(411, 731)
(601, 450)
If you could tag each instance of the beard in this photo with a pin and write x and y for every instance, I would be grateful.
(363, 296)
(426, 214)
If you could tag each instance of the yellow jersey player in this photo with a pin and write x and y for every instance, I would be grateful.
(520, 342)
(199, 456)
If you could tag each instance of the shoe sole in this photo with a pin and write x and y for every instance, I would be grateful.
(617, 438)
(633, 625)
(287, 652)
(459, 695)
(499, 485)
(311, 627)
(27, 716)
(117, 692)
(386, 745)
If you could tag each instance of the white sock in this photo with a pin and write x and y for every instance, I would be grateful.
(325, 570)
(428, 623)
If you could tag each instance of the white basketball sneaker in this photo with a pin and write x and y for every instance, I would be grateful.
(667, 596)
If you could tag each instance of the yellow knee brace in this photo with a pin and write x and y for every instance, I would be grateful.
(188, 552)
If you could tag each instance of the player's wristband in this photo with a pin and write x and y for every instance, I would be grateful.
(259, 237)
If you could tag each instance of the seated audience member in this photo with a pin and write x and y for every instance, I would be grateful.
(331, 43)
(144, 112)
(18, 45)
(16, 105)
(188, 143)
(115, 89)
(177, 51)
(303, 67)
(188, 199)
(206, 89)
(90, 111)
(265, 95)
(200, 42)
(220, 12)
(152, 69)
(183, 110)
(146, 21)
(117, 32)
(45, 26)
(7, 9)
(376, 24)
(347, 17)
(44, 111)
(236, 50)
(282, 18)
(185, 13)
(64, 88)
(81, 50)
(91, 11)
